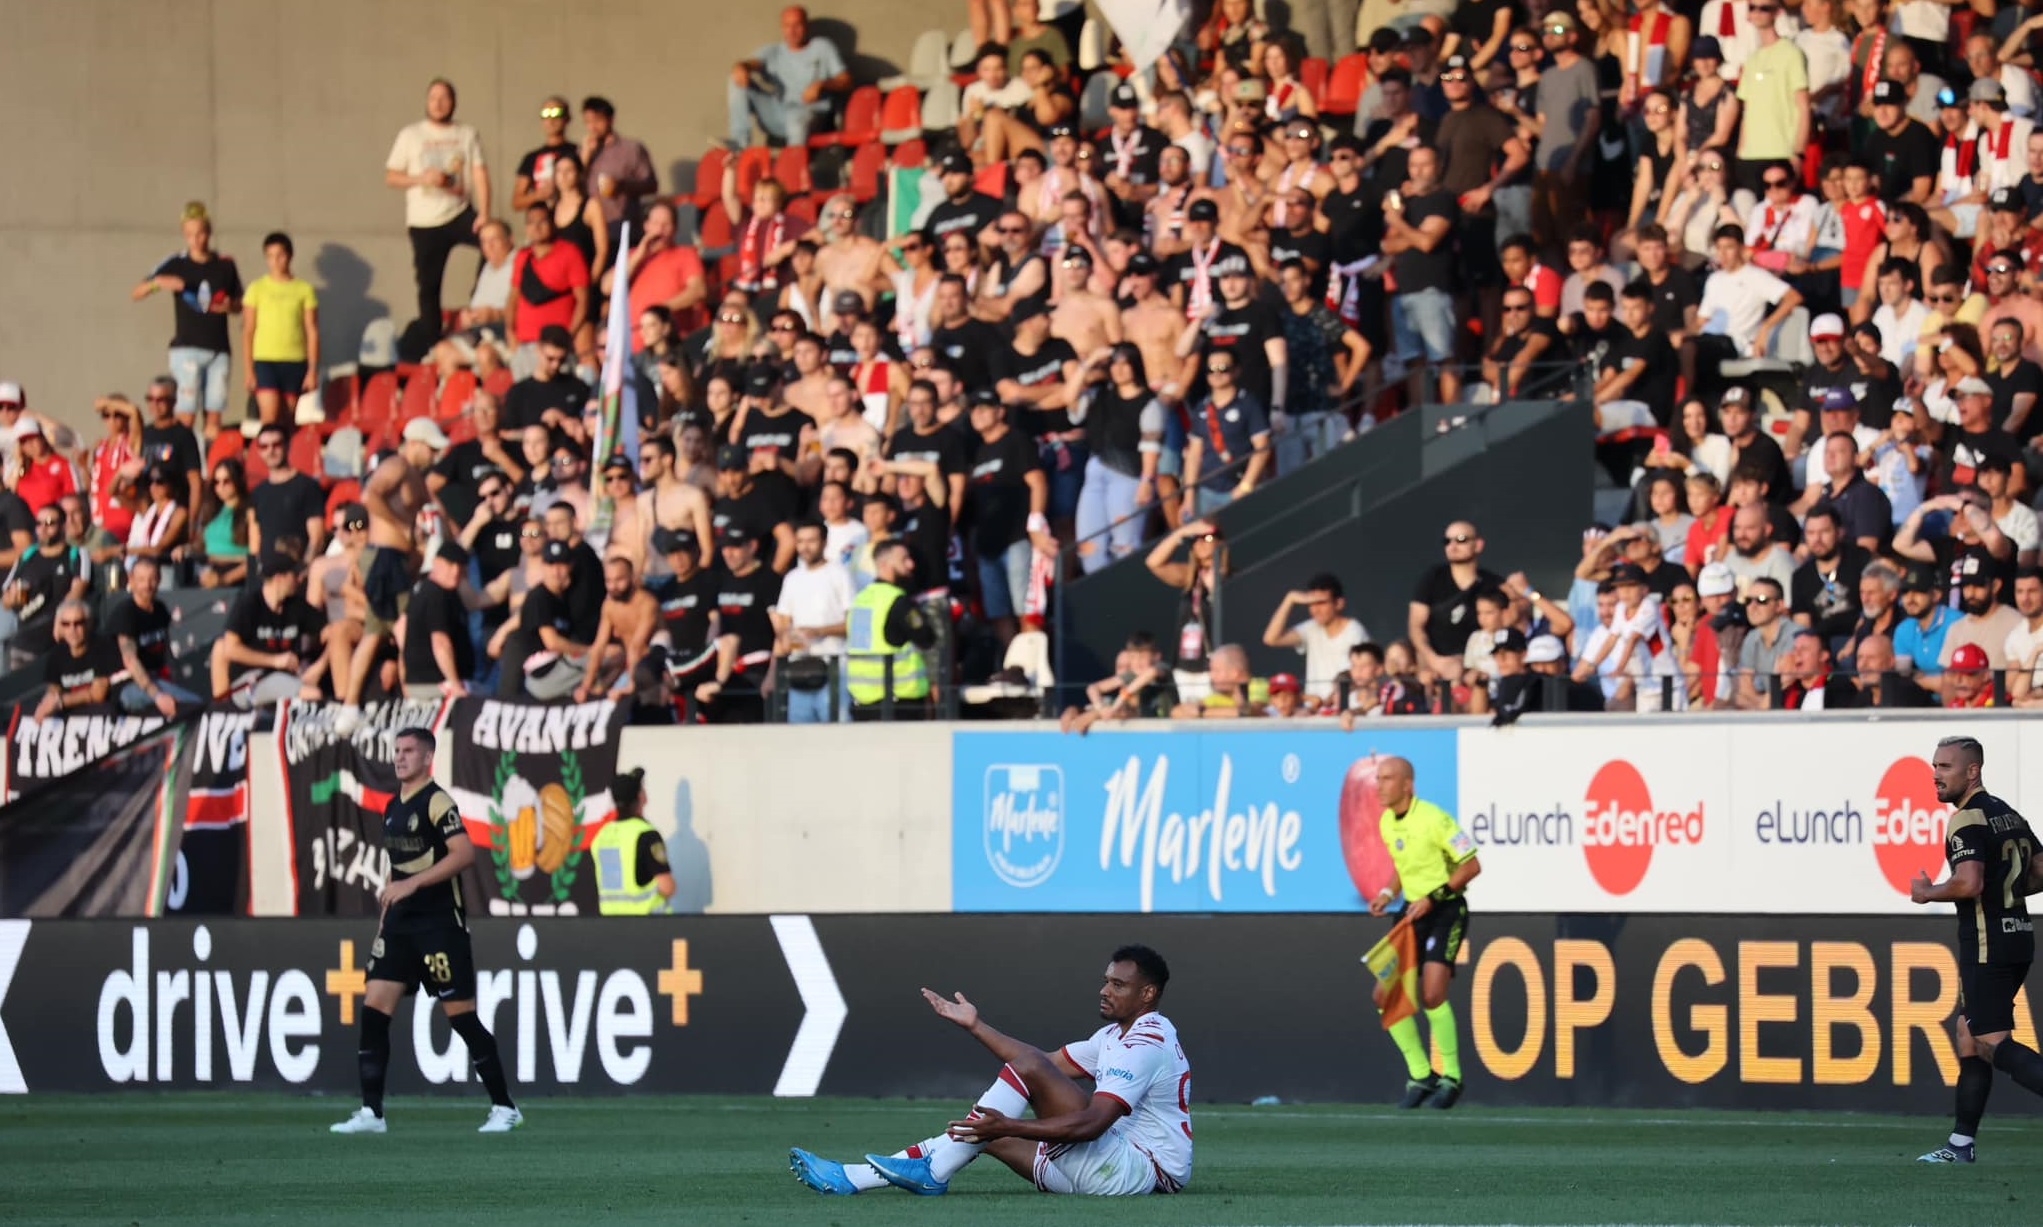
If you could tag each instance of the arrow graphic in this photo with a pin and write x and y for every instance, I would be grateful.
(13, 937)
(823, 1007)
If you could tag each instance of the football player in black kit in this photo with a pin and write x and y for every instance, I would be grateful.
(423, 937)
(1994, 866)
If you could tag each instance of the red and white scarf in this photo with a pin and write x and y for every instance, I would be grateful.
(1199, 292)
(762, 235)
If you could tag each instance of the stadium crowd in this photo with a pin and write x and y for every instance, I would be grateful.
(1788, 253)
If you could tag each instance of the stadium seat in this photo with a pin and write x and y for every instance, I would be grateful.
(499, 381)
(939, 107)
(379, 401)
(305, 454)
(1092, 45)
(419, 393)
(1344, 87)
(926, 63)
(963, 48)
(716, 230)
(804, 209)
(1092, 102)
(992, 180)
(343, 493)
(227, 445)
(338, 398)
(861, 120)
(901, 119)
(910, 154)
(1312, 74)
(754, 164)
(867, 165)
(792, 169)
(709, 178)
(455, 396)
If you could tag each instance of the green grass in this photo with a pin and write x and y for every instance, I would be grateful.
(213, 1160)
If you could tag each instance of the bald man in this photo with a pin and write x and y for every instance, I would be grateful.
(1436, 860)
(848, 262)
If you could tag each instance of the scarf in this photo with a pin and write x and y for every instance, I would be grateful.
(762, 234)
(1124, 151)
(1344, 283)
(1199, 293)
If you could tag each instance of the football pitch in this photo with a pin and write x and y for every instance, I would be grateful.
(220, 1159)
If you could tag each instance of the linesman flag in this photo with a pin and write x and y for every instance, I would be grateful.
(1394, 962)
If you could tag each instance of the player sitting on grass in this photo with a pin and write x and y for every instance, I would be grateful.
(1132, 1135)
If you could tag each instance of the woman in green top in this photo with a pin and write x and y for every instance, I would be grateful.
(226, 513)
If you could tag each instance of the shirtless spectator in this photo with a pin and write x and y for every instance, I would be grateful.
(670, 502)
(1153, 325)
(1087, 321)
(847, 260)
(394, 495)
(812, 375)
(1164, 216)
(619, 657)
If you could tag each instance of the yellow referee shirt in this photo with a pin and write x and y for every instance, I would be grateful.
(1426, 844)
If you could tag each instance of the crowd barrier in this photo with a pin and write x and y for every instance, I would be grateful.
(1640, 1011)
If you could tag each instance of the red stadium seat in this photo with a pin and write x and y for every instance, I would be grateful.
(709, 177)
(1312, 74)
(909, 155)
(868, 164)
(498, 383)
(455, 396)
(227, 445)
(861, 120)
(379, 402)
(753, 165)
(343, 493)
(306, 455)
(792, 169)
(1344, 88)
(337, 398)
(901, 119)
(419, 392)
(713, 229)
(804, 209)
(992, 180)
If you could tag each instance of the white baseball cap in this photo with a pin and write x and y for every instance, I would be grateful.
(11, 394)
(27, 426)
(1544, 650)
(426, 431)
(1716, 580)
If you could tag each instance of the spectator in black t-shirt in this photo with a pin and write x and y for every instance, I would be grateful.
(743, 503)
(1675, 292)
(1441, 616)
(2016, 381)
(964, 344)
(1825, 593)
(1250, 329)
(1526, 345)
(1858, 369)
(553, 396)
(746, 592)
(1227, 449)
(206, 289)
(273, 642)
(80, 668)
(171, 444)
(458, 478)
(964, 209)
(1752, 447)
(139, 629)
(438, 654)
(534, 184)
(288, 505)
(47, 574)
(1006, 513)
(1191, 278)
(1646, 355)
(1420, 221)
(545, 652)
(926, 442)
(1904, 155)
(1972, 438)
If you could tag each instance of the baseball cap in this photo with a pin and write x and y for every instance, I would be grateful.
(11, 394)
(28, 427)
(1508, 639)
(352, 515)
(1417, 35)
(452, 551)
(162, 473)
(1285, 683)
(556, 551)
(955, 164)
(1975, 566)
(618, 463)
(848, 302)
(1124, 96)
(1233, 266)
(1948, 97)
(1706, 48)
(1734, 395)
(426, 431)
(1627, 573)
(734, 533)
(1076, 254)
(2007, 200)
(1563, 22)
(1455, 63)
(1969, 658)
(1920, 578)
(1060, 130)
(1026, 310)
(1715, 579)
(1203, 211)
(675, 541)
(761, 378)
(1986, 89)
(730, 458)
(1827, 327)
(1888, 93)
(1544, 650)
(1973, 385)
(1141, 264)
(1838, 400)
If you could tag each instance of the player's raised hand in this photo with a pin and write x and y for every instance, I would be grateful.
(980, 1129)
(959, 1011)
(1918, 890)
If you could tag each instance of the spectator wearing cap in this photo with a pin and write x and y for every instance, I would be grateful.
(1287, 698)
(1985, 620)
(1716, 591)
(964, 209)
(780, 440)
(2024, 647)
(1508, 688)
(1753, 449)
(2003, 136)
(1127, 155)
(1964, 444)
(1968, 678)
(1824, 593)
(272, 647)
(811, 615)
(742, 502)
(2015, 519)
(683, 655)
(787, 86)
(206, 288)
(1766, 644)
(1899, 148)
(746, 590)
(43, 478)
(1249, 329)
(545, 652)
(1192, 277)
(437, 654)
(439, 166)
(1645, 649)
(552, 291)
(1919, 637)
(1983, 60)
(1007, 506)
(1859, 371)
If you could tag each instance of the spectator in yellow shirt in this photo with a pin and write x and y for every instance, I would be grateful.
(280, 332)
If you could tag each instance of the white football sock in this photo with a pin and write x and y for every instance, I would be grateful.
(864, 1178)
(1008, 1095)
(1959, 1139)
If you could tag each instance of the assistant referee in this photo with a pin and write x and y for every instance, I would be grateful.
(1436, 860)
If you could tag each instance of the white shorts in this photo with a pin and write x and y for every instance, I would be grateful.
(1110, 1165)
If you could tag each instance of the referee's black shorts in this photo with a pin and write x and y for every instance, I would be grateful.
(1986, 995)
(1441, 931)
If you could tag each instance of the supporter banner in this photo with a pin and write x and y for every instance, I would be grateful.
(1191, 821)
(39, 751)
(210, 877)
(336, 789)
(1834, 1014)
(1831, 817)
(100, 840)
(533, 784)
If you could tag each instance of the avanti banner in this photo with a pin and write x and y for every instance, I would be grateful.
(336, 789)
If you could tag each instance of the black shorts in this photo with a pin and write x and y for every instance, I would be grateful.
(1986, 995)
(439, 960)
(1441, 931)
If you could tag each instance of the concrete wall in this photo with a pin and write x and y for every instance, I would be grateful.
(278, 114)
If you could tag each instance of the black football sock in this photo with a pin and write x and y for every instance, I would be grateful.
(2020, 1062)
(1975, 1083)
(482, 1052)
(374, 1057)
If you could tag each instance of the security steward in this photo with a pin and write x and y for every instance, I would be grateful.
(887, 628)
(632, 878)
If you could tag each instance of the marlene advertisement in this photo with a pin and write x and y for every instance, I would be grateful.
(1240, 821)
(1848, 1014)
(1818, 818)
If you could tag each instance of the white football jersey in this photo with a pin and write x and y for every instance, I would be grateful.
(1147, 1070)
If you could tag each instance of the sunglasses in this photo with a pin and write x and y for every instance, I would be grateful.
(1762, 8)
(1684, 600)
(2000, 270)
(1517, 306)
(782, 328)
(922, 364)
(1713, 166)
(1240, 151)
(553, 112)
(154, 398)
(1220, 370)
(1013, 229)
(1525, 48)
(53, 522)
(1941, 298)
(610, 477)
(1456, 539)
(1758, 600)
(649, 458)
(912, 245)
(1773, 183)
(1659, 110)
(493, 491)
(530, 534)
(1305, 134)
(845, 214)
(1453, 78)
(355, 526)
(563, 462)
(107, 415)
(730, 317)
